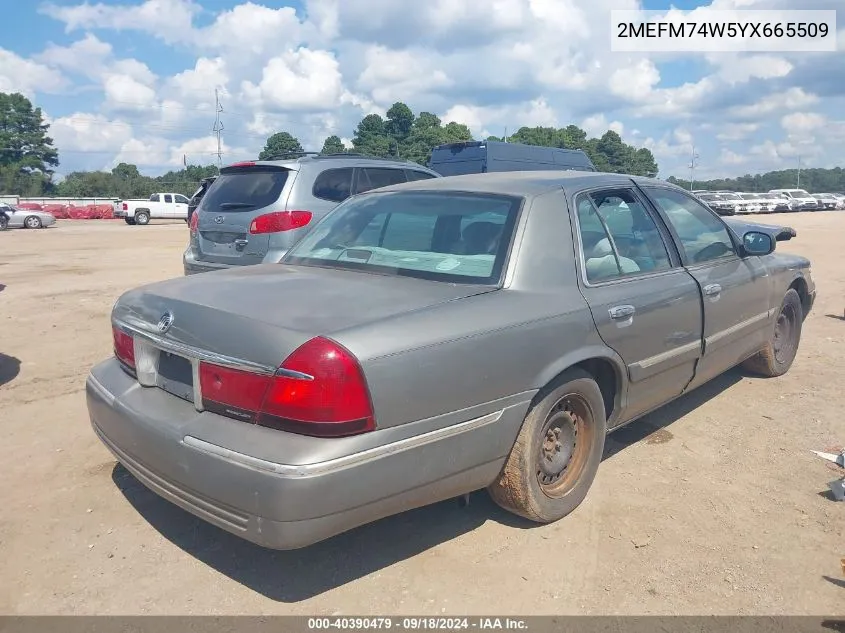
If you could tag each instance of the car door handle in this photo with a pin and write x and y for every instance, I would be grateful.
(239, 244)
(621, 312)
(712, 290)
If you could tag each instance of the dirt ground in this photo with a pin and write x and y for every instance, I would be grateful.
(712, 505)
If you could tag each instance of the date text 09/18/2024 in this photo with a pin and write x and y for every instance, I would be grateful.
(417, 623)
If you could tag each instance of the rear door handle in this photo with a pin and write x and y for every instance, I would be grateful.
(712, 290)
(621, 312)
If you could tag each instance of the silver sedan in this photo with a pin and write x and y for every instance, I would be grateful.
(26, 218)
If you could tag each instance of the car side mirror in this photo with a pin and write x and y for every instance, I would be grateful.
(758, 243)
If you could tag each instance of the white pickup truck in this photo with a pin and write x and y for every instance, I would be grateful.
(165, 206)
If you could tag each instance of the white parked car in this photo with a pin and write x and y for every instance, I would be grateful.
(164, 206)
(840, 197)
(801, 200)
(754, 203)
(828, 201)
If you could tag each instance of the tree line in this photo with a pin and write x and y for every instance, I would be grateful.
(28, 157)
(402, 134)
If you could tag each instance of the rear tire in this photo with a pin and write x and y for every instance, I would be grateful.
(777, 356)
(142, 218)
(558, 450)
(129, 221)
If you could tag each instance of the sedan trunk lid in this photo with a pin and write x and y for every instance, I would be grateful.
(262, 313)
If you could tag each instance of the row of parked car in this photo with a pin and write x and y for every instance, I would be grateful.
(775, 201)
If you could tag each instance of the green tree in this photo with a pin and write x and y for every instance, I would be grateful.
(400, 120)
(371, 138)
(280, 144)
(27, 155)
(126, 171)
(333, 145)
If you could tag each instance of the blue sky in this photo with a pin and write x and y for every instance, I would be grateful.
(134, 80)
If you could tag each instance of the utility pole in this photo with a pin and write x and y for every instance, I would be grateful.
(505, 137)
(692, 165)
(218, 128)
(798, 183)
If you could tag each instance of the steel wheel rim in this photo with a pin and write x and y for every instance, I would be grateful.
(784, 338)
(564, 446)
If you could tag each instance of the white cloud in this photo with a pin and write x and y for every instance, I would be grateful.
(169, 20)
(792, 99)
(26, 76)
(598, 124)
(492, 121)
(729, 157)
(299, 80)
(84, 132)
(802, 122)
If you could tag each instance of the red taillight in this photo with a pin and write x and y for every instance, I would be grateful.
(279, 221)
(320, 390)
(194, 222)
(124, 347)
(232, 392)
(125, 206)
(246, 163)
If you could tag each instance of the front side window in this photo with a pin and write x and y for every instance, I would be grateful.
(442, 236)
(618, 236)
(704, 237)
(180, 199)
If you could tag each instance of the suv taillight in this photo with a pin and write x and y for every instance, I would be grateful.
(125, 206)
(194, 222)
(279, 221)
(124, 347)
(319, 390)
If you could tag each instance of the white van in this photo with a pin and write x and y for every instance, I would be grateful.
(801, 200)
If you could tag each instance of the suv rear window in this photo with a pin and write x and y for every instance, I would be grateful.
(334, 185)
(245, 188)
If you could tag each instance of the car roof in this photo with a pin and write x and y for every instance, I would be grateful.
(523, 183)
(349, 159)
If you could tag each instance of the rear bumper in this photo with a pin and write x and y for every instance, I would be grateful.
(293, 502)
(191, 265)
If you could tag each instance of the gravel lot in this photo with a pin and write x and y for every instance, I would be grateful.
(712, 505)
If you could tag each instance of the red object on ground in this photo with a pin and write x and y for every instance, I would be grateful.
(58, 211)
(30, 206)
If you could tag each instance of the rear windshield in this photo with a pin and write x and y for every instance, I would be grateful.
(245, 189)
(441, 236)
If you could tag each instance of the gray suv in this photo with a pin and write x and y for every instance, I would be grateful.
(255, 211)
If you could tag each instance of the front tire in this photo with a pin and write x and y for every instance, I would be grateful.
(142, 218)
(558, 450)
(777, 356)
(32, 222)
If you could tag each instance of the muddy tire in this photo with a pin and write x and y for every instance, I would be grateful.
(776, 357)
(558, 450)
(142, 218)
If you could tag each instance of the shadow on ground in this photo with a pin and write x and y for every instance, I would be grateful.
(838, 317)
(298, 575)
(10, 367)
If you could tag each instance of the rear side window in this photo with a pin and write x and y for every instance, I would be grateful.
(414, 174)
(245, 189)
(168, 198)
(373, 178)
(334, 185)
(154, 197)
